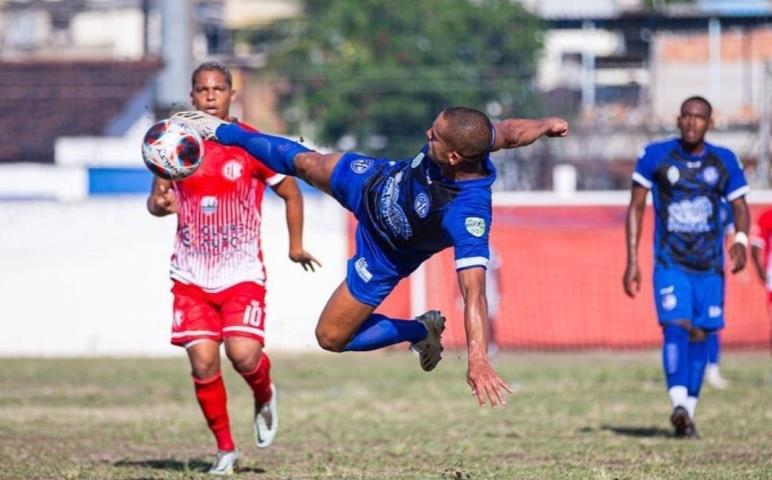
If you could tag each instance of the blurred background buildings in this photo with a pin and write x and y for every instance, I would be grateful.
(93, 74)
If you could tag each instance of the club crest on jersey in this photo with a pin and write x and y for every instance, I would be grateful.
(421, 204)
(232, 170)
(673, 175)
(361, 165)
(710, 175)
(475, 226)
(208, 204)
(417, 160)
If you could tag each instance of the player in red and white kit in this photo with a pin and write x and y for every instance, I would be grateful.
(761, 250)
(218, 271)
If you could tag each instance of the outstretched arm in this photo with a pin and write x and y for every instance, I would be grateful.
(288, 190)
(519, 132)
(484, 381)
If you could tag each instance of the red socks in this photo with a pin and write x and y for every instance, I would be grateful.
(211, 395)
(259, 379)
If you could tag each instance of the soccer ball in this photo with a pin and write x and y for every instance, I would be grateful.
(172, 150)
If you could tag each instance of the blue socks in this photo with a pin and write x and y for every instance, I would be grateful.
(684, 364)
(698, 359)
(379, 331)
(276, 152)
(675, 352)
(714, 348)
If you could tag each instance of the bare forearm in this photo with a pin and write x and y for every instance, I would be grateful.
(634, 222)
(476, 326)
(633, 226)
(519, 132)
(758, 262)
(294, 217)
(742, 218)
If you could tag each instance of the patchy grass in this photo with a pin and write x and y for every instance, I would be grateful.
(377, 416)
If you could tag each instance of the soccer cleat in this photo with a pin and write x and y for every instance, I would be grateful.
(714, 378)
(684, 426)
(205, 124)
(430, 349)
(224, 463)
(266, 421)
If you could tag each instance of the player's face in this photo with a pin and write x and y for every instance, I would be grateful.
(694, 121)
(212, 94)
(439, 151)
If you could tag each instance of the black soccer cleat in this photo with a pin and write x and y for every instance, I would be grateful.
(683, 425)
(691, 431)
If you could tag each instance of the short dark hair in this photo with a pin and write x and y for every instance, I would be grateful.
(698, 98)
(469, 132)
(212, 66)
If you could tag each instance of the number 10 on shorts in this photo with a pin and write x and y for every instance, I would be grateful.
(253, 314)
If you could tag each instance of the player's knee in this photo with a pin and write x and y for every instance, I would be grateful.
(244, 360)
(203, 369)
(306, 163)
(244, 363)
(329, 340)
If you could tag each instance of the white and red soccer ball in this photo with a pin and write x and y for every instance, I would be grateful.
(172, 150)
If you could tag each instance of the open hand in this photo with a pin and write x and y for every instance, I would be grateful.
(305, 259)
(486, 383)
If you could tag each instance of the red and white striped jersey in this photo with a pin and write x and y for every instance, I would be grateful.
(761, 236)
(218, 219)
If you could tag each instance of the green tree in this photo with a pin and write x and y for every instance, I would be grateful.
(378, 71)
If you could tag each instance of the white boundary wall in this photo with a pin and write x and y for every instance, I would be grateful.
(91, 278)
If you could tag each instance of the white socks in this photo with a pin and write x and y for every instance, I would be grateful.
(678, 395)
(691, 406)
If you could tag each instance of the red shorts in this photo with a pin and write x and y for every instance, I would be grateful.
(237, 311)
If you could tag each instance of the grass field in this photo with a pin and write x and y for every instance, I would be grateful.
(573, 416)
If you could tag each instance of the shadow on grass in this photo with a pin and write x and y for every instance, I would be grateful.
(639, 431)
(192, 465)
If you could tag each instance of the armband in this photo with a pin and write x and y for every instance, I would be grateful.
(741, 238)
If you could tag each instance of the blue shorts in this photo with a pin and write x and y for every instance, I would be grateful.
(683, 295)
(371, 275)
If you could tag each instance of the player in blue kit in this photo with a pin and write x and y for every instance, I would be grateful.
(688, 178)
(407, 211)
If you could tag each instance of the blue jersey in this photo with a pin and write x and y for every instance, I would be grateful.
(687, 191)
(418, 212)
(407, 212)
